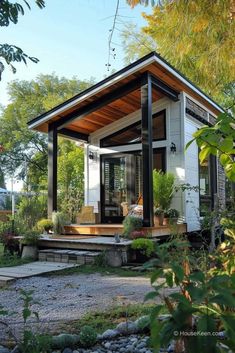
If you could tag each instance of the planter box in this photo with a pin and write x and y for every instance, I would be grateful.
(30, 251)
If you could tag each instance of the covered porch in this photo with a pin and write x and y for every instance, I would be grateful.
(133, 88)
(128, 123)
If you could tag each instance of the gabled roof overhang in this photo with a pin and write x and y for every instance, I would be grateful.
(118, 95)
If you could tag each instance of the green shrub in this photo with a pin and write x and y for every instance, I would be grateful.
(130, 224)
(45, 224)
(88, 336)
(64, 340)
(31, 237)
(163, 189)
(31, 209)
(59, 220)
(172, 213)
(146, 246)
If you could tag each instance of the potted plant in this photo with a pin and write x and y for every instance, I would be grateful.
(163, 191)
(171, 216)
(131, 224)
(29, 243)
(144, 249)
(45, 225)
(158, 216)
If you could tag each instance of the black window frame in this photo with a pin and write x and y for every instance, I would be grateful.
(208, 199)
(155, 115)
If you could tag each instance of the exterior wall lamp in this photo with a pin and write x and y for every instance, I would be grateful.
(92, 155)
(173, 148)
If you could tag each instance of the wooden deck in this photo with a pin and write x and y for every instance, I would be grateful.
(99, 237)
(112, 229)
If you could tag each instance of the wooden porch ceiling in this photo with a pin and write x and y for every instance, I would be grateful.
(122, 106)
(110, 113)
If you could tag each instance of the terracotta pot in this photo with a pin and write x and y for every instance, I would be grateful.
(158, 220)
(138, 234)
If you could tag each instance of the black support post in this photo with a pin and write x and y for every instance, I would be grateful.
(147, 150)
(52, 169)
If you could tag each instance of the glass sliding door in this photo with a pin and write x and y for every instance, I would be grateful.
(116, 186)
(121, 181)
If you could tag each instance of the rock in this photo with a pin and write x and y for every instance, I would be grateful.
(4, 350)
(64, 340)
(109, 334)
(67, 350)
(143, 323)
(107, 345)
(126, 328)
(141, 345)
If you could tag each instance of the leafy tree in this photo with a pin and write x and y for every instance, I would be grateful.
(218, 140)
(2, 180)
(70, 178)
(9, 13)
(194, 36)
(23, 148)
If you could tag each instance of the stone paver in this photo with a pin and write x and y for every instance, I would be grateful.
(31, 269)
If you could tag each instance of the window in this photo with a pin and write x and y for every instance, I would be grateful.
(207, 184)
(132, 133)
(230, 195)
(205, 190)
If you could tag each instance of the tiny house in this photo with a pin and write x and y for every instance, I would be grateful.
(136, 120)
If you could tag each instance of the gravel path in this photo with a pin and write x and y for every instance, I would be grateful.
(66, 298)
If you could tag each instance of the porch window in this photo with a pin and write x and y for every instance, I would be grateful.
(132, 133)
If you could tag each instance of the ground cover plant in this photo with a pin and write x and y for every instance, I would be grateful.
(203, 309)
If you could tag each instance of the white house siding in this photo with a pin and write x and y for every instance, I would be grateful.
(191, 176)
(175, 162)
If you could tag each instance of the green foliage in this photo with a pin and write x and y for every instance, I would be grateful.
(31, 237)
(45, 224)
(101, 260)
(70, 178)
(64, 340)
(144, 323)
(131, 224)
(194, 36)
(59, 220)
(146, 246)
(88, 336)
(203, 305)
(31, 209)
(9, 13)
(171, 213)
(163, 189)
(108, 319)
(31, 342)
(218, 140)
(25, 150)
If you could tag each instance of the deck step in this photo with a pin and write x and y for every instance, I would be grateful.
(68, 256)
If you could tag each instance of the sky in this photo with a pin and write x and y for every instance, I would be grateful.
(69, 38)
